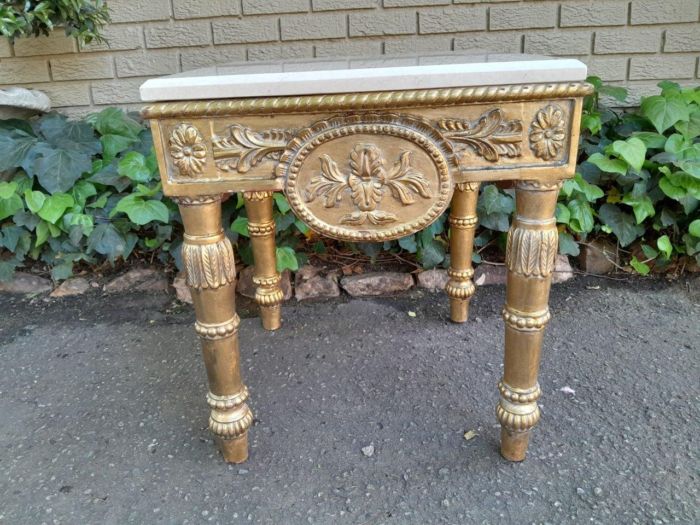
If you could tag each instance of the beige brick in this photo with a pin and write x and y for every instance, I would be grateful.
(633, 40)
(268, 7)
(559, 42)
(316, 26)
(501, 42)
(593, 13)
(205, 8)
(414, 3)
(281, 51)
(334, 5)
(81, 67)
(523, 16)
(148, 64)
(383, 23)
(117, 91)
(452, 20)
(482, 1)
(414, 44)
(119, 38)
(64, 94)
(195, 58)
(662, 67)
(354, 47)
(179, 34)
(263, 29)
(5, 48)
(664, 12)
(19, 71)
(684, 38)
(607, 68)
(139, 10)
(57, 43)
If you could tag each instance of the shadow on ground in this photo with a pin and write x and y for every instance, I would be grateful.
(103, 418)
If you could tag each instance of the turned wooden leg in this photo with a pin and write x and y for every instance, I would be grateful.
(530, 256)
(211, 276)
(261, 228)
(463, 222)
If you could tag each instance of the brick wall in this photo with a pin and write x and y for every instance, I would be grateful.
(630, 42)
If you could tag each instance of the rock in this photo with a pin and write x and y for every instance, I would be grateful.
(434, 280)
(138, 280)
(72, 286)
(312, 282)
(16, 102)
(368, 450)
(246, 286)
(377, 283)
(26, 283)
(490, 274)
(182, 291)
(598, 257)
(562, 270)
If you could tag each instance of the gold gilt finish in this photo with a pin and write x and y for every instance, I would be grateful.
(211, 276)
(370, 167)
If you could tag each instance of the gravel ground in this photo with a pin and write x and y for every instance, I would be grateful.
(104, 418)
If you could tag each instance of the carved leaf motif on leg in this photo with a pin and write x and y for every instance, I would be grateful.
(531, 252)
(491, 137)
(209, 265)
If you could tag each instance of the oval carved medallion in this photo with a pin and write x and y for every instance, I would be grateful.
(368, 177)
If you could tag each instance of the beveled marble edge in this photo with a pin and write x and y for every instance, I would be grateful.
(362, 79)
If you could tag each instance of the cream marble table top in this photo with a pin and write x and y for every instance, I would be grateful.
(308, 77)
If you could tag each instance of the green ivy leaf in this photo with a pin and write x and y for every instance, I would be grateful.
(55, 206)
(7, 189)
(616, 92)
(240, 226)
(133, 166)
(431, 253)
(42, 233)
(690, 128)
(10, 206)
(621, 224)
(650, 139)
(641, 205)
(567, 245)
(35, 200)
(670, 189)
(632, 150)
(113, 121)
(142, 211)
(665, 111)
(281, 202)
(58, 169)
(106, 240)
(15, 146)
(286, 259)
(581, 220)
(649, 252)
(686, 181)
(562, 213)
(607, 164)
(640, 267)
(408, 243)
(663, 243)
(592, 122)
(694, 228)
(82, 191)
(113, 145)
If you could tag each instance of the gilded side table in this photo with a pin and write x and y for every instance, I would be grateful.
(368, 150)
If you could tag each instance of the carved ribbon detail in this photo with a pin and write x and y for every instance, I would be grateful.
(366, 183)
(491, 136)
(245, 148)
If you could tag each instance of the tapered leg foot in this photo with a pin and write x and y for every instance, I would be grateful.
(211, 275)
(234, 450)
(261, 228)
(530, 255)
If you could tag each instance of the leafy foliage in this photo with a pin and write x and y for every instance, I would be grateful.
(81, 19)
(89, 191)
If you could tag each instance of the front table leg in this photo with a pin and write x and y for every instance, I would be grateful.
(530, 256)
(211, 276)
(261, 228)
(463, 221)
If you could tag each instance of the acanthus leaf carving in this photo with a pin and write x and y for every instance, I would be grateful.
(366, 182)
(245, 148)
(531, 253)
(491, 136)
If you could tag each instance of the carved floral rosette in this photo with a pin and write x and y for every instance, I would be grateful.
(371, 177)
